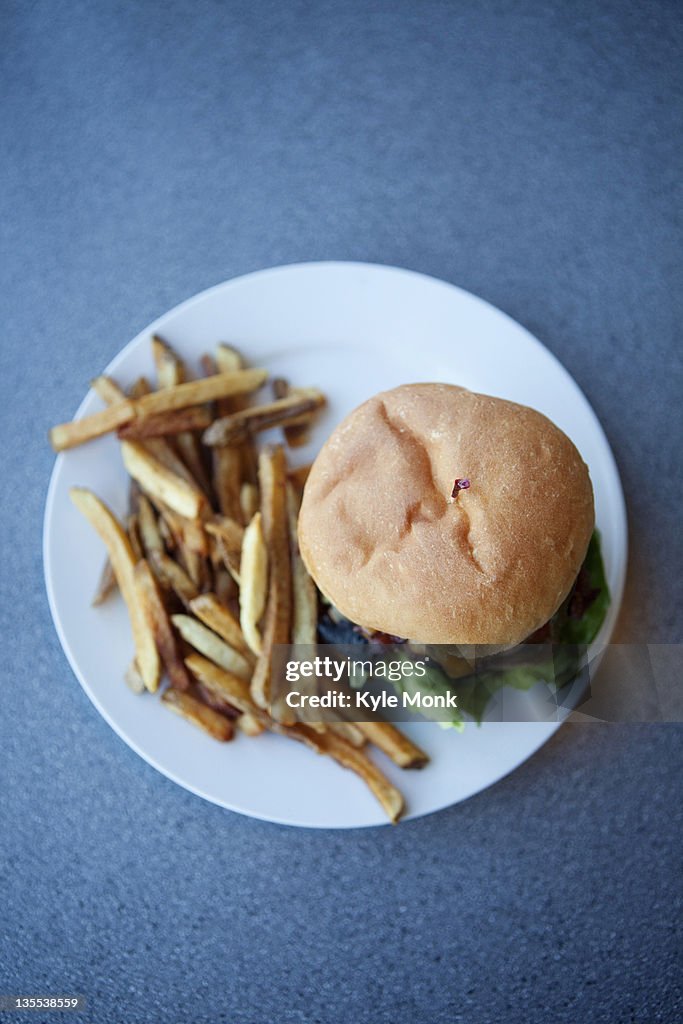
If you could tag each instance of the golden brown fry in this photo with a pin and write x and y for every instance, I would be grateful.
(106, 585)
(170, 367)
(232, 429)
(296, 434)
(188, 707)
(160, 625)
(211, 646)
(123, 563)
(173, 577)
(176, 421)
(133, 531)
(186, 533)
(224, 684)
(185, 499)
(108, 390)
(250, 725)
(272, 482)
(227, 472)
(304, 592)
(68, 435)
(220, 619)
(228, 359)
(149, 528)
(350, 757)
(394, 744)
(141, 386)
(253, 582)
(189, 448)
(196, 392)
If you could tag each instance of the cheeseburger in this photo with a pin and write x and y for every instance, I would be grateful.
(445, 517)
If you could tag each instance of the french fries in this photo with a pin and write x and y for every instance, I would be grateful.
(298, 407)
(211, 646)
(208, 562)
(123, 564)
(254, 582)
(175, 421)
(195, 392)
(220, 619)
(272, 483)
(173, 577)
(188, 707)
(348, 756)
(394, 744)
(304, 593)
(161, 482)
(170, 368)
(159, 623)
(68, 435)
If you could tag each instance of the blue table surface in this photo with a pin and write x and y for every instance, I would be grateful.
(527, 151)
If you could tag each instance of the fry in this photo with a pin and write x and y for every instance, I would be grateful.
(224, 684)
(272, 482)
(228, 359)
(68, 435)
(108, 390)
(304, 592)
(173, 577)
(196, 392)
(351, 757)
(196, 417)
(190, 453)
(170, 368)
(254, 582)
(296, 434)
(298, 407)
(149, 529)
(220, 619)
(250, 725)
(394, 744)
(133, 531)
(158, 621)
(188, 707)
(227, 470)
(157, 480)
(123, 564)
(211, 646)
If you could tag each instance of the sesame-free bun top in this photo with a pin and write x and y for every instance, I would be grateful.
(387, 544)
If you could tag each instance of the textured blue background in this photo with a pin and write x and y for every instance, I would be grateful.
(527, 151)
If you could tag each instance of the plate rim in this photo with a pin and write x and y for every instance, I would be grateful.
(546, 729)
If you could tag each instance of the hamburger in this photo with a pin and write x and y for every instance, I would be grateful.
(455, 520)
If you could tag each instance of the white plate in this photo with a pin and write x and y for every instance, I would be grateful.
(352, 329)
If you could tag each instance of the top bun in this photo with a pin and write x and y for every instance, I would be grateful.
(389, 547)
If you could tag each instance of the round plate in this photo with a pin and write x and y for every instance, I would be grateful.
(351, 329)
